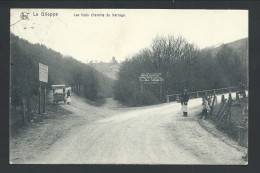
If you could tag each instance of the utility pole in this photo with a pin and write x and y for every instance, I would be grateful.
(44, 101)
(39, 111)
(161, 91)
(142, 87)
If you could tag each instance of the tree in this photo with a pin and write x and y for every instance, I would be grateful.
(167, 55)
(182, 65)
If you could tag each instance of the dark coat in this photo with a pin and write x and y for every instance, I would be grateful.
(184, 98)
(68, 94)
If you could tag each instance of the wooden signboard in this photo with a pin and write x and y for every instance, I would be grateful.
(43, 73)
(43, 77)
(151, 79)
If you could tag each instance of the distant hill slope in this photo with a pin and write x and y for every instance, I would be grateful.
(236, 45)
(108, 69)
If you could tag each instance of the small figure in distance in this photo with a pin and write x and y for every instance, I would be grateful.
(205, 108)
(68, 97)
(184, 102)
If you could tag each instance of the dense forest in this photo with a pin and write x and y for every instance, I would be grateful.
(25, 59)
(182, 65)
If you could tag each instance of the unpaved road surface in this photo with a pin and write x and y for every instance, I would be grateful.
(112, 134)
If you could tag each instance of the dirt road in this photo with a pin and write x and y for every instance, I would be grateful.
(157, 134)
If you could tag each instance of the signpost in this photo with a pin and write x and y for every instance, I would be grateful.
(43, 77)
(151, 79)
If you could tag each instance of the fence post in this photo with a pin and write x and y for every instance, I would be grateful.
(160, 91)
(212, 106)
(223, 114)
(214, 92)
(230, 96)
(141, 93)
(29, 109)
(243, 130)
(141, 87)
(168, 100)
(229, 111)
(237, 96)
(244, 93)
(221, 108)
(39, 111)
(198, 94)
(222, 98)
(44, 100)
(23, 107)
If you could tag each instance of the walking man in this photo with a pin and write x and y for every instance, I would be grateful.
(184, 103)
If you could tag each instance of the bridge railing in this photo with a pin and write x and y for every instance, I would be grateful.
(198, 94)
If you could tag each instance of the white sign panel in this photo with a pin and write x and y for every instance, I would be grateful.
(151, 78)
(43, 73)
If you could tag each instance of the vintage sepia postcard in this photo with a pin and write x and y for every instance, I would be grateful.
(128, 86)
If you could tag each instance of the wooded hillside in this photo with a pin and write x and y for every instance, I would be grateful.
(25, 58)
(182, 65)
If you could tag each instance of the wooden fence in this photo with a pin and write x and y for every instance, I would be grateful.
(198, 94)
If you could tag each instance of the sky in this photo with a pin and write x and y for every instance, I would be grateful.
(99, 38)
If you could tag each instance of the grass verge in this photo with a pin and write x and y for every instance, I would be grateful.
(237, 118)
